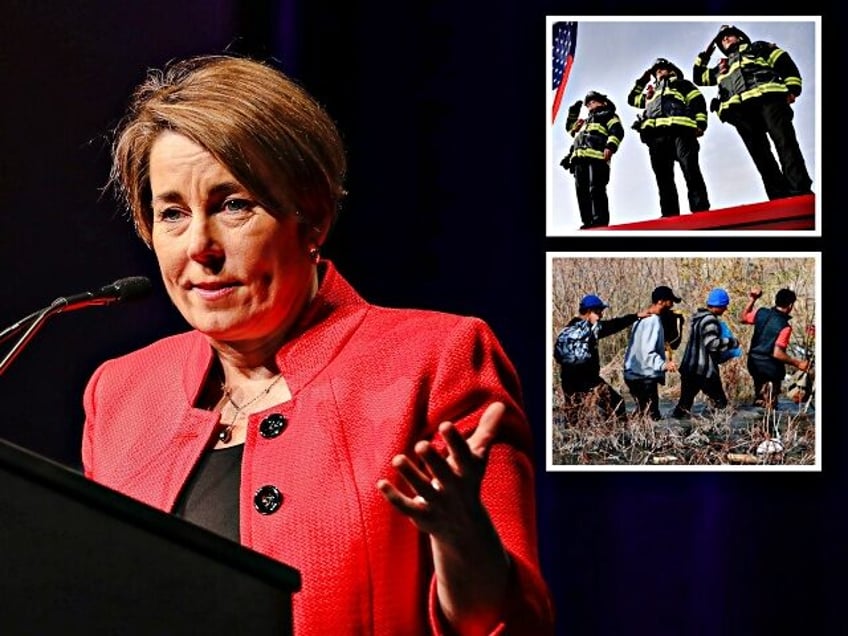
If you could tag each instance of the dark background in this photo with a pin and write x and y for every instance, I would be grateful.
(441, 105)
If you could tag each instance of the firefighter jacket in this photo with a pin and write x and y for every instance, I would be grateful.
(602, 129)
(676, 105)
(754, 70)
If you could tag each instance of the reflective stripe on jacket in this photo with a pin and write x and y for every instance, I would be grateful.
(753, 71)
(675, 102)
(601, 130)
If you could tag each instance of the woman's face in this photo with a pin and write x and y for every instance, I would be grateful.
(236, 271)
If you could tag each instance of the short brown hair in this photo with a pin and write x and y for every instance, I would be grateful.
(268, 131)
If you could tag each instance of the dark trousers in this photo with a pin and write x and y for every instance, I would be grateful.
(768, 379)
(601, 396)
(646, 394)
(771, 117)
(691, 385)
(591, 177)
(667, 148)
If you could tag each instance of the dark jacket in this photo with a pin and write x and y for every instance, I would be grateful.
(584, 377)
(676, 106)
(602, 129)
(754, 71)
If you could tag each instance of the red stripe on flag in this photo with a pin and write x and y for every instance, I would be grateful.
(561, 88)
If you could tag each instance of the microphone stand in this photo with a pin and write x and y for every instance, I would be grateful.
(10, 331)
(38, 319)
(121, 290)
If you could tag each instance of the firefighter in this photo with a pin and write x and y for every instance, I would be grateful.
(596, 139)
(757, 84)
(674, 116)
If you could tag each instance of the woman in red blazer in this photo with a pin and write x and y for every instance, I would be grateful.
(383, 453)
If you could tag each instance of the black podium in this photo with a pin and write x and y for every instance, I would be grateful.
(78, 558)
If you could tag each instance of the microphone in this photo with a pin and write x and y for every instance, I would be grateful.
(121, 290)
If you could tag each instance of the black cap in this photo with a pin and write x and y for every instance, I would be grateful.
(663, 293)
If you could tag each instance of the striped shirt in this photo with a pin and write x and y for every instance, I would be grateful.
(704, 345)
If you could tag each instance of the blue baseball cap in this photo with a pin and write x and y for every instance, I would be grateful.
(590, 301)
(718, 298)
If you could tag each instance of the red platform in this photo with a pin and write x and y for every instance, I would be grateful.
(792, 213)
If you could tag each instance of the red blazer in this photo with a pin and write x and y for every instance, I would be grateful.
(367, 383)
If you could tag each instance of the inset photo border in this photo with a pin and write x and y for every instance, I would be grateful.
(614, 56)
(683, 325)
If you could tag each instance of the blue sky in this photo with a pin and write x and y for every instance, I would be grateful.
(612, 52)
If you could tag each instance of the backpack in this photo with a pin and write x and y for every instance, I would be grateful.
(573, 344)
(800, 386)
(672, 322)
(729, 354)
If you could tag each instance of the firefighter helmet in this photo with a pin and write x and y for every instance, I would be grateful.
(595, 96)
(661, 62)
(729, 29)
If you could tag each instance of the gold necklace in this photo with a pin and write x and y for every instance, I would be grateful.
(226, 433)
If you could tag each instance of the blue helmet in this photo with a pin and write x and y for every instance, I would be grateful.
(718, 298)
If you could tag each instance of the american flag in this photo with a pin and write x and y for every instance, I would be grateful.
(565, 40)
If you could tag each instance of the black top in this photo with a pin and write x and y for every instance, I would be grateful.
(211, 496)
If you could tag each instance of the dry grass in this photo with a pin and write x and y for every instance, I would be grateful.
(719, 438)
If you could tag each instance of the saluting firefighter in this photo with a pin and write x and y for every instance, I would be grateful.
(674, 116)
(596, 139)
(757, 83)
